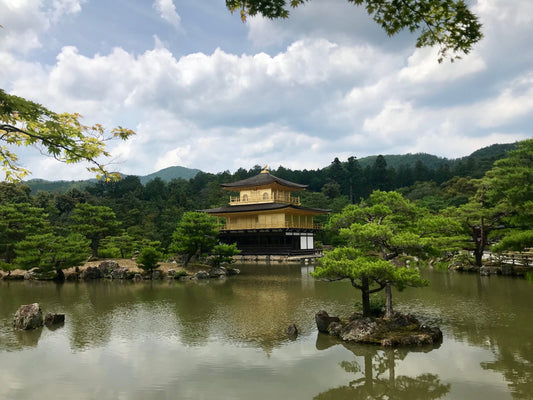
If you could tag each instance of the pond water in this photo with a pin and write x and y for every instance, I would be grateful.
(227, 340)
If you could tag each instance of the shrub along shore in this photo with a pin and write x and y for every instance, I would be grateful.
(122, 269)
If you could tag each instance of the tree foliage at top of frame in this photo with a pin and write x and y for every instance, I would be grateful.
(448, 24)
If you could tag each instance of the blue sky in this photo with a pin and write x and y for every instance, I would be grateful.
(204, 90)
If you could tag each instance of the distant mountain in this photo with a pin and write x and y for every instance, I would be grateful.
(395, 160)
(57, 186)
(167, 174)
(493, 152)
(484, 156)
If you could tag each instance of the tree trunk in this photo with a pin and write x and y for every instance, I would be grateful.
(369, 379)
(60, 275)
(391, 365)
(480, 240)
(94, 248)
(478, 257)
(388, 301)
(365, 293)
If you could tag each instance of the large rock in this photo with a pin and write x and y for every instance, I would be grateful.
(121, 273)
(92, 273)
(232, 271)
(28, 316)
(400, 330)
(217, 272)
(323, 320)
(292, 330)
(107, 266)
(54, 319)
(201, 275)
(359, 330)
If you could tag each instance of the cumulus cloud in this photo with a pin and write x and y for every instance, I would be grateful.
(319, 96)
(17, 35)
(59, 8)
(168, 12)
(422, 68)
(25, 21)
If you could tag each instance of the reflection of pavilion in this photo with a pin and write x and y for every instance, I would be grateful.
(265, 218)
(376, 379)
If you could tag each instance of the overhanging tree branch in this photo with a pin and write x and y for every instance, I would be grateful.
(448, 24)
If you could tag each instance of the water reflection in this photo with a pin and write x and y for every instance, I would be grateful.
(28, 338)
(168, 339)
(488, 312)
(375, 377)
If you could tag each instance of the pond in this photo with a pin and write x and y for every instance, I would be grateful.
(227, 340)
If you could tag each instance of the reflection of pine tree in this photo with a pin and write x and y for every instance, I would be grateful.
(517, 367)
(378, 380)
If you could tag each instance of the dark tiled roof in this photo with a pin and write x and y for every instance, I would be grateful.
(261, 207)
(263, 179)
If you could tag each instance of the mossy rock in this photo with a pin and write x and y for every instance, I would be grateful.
(400, 330)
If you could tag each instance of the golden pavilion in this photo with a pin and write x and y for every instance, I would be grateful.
(265, 218)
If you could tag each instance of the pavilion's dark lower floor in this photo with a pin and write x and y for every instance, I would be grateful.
(271, 242)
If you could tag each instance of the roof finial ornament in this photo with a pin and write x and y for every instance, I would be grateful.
(265, 170)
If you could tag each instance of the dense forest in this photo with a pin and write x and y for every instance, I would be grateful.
(117, 218)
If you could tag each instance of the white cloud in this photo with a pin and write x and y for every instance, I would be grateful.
(17, 35)
(511, 13)
(395, 117)
(422, 67)
(61, 8)
(167, 10)
(320, 96)
(25, 21)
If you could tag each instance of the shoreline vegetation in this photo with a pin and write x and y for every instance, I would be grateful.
(506, 264)
(122, 269)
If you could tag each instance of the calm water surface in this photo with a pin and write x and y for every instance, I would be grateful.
(226, 340)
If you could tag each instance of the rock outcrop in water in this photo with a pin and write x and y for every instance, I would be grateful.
(400, 330)
(52, 320)
(28, 316)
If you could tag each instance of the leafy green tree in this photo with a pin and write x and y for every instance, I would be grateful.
(331, 189)
(354, 179)
(123, 244)
(14, 193)
(16, 222)
(510, 186)
(377, 232)
(62, 136)
(380, 175)
(51, 252)
(196, 234)
(367, 273)
(479, 218)
(95, 223)
(223, 253)
(458, 190)
(149, 258)
(448, 24)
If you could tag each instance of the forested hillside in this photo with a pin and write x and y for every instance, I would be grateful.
(130, 215)
(408, 167)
